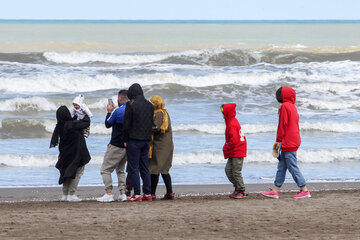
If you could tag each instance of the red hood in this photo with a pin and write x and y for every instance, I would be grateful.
(288, 95)
(229, 111)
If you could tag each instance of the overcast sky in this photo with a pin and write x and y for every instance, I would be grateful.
(180, 9)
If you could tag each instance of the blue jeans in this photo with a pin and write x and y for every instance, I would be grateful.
(137, 153)
(288, 161)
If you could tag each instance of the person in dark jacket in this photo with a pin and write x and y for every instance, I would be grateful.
(115, 156)
(288, 138)
(73, 152)
(138, 122)
(234, 150)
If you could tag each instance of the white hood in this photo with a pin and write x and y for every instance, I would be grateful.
(79, 100)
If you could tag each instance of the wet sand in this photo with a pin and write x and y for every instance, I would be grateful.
(199, 212)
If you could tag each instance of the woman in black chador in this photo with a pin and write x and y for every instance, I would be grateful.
(73, 152)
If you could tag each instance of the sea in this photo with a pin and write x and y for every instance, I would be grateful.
(195, 66)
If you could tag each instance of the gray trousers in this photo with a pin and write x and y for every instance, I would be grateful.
(233, 172)
(70, 185)
(115, 158)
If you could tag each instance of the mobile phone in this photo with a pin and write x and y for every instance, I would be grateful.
(110, 102)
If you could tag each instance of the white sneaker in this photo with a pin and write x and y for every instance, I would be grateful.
(73, 198)
(106, 198)
(122, 198)
(64, 198)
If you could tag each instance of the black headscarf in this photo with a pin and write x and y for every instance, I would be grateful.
(62, 116)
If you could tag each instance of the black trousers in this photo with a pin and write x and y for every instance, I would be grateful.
(155, 181)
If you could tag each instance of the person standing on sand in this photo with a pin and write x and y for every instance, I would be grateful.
(288, 138)
(73, 155)
(115, 156)
(234, 150)
(138, 123)
(161, 149)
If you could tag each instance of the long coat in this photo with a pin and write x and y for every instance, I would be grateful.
(163, 147)
(73, 152)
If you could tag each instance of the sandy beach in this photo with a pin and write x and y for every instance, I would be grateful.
(199, 212)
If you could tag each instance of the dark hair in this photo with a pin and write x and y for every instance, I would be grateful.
(123, 93)
(278, 95)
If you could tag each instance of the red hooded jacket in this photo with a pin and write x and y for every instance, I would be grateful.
(288, 132)
(235, 145)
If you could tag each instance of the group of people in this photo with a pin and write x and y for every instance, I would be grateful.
(142, 137)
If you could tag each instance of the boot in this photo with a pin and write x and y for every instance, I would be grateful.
(169, 196)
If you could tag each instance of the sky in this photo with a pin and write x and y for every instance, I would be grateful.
(180, 9)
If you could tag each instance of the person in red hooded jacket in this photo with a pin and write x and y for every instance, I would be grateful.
(234, 150)
(288, 139)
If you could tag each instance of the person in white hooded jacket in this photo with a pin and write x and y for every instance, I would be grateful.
(80, 110)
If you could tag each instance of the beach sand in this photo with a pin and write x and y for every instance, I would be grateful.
(199, 212)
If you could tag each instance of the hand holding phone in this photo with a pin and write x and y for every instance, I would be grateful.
(110, 105)
(110, 102)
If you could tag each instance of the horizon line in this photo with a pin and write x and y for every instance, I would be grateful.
(84, 19)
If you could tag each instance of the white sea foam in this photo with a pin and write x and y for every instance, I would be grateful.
(37, 161)
(330, 88)
(350, 127)
(38, 104)
(77, 83)
(84, 57)
(215, 129)
(204, 158)
(304, 156)
(337, 77)
(76, 57)
(27, 104)
(329, 105)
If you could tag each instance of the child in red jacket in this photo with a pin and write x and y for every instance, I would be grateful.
(234, 150)
(288, 137)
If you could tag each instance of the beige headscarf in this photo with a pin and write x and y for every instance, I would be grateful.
(159, 106)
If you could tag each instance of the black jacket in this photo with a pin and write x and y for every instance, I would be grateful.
(138, 120)
(72, 147)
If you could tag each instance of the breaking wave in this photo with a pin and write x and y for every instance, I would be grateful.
(204, 158)
(37, 128)
(212, 57)
(209, 56)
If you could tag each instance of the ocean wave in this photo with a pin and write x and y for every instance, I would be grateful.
(204, 158)
(217, 56)
(219, 129)
(329, 105)
(42, 104)
(85, 57)
(35, 105)
(304, 156)
(212, 57)
(32, 104)
(336, 89)
(25, 128)
(70, 83)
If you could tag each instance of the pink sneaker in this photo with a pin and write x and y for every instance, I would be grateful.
(241, 195)
(302, 194)
(271, 194)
